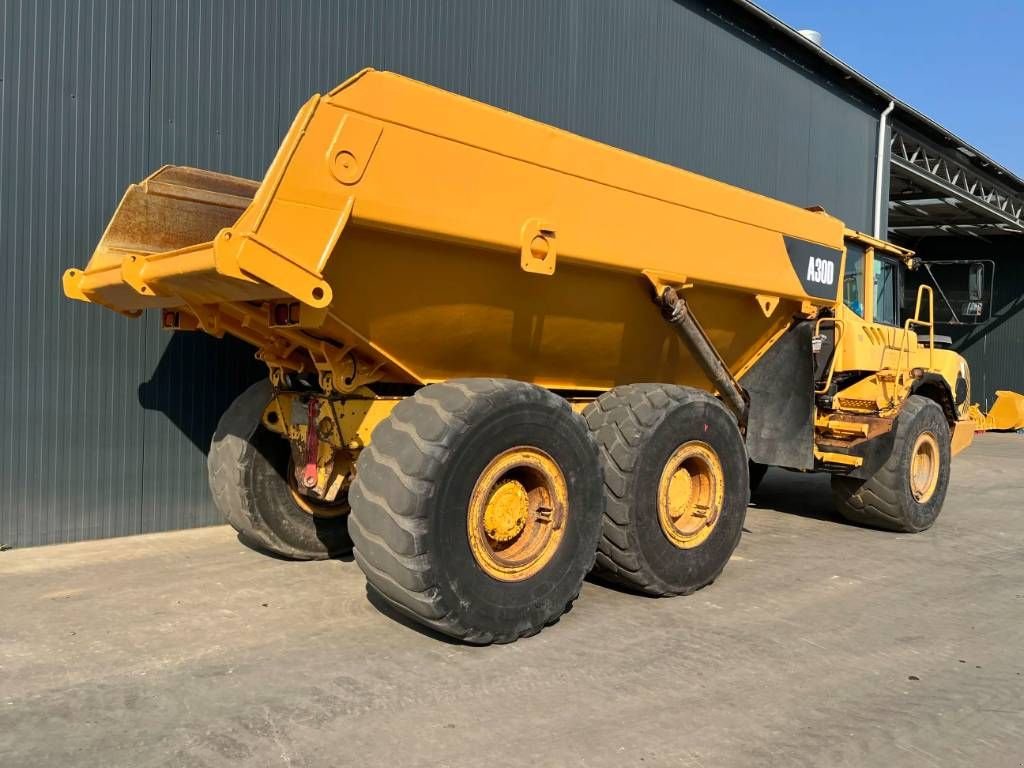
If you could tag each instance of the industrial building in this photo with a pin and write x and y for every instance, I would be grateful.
(94, 97)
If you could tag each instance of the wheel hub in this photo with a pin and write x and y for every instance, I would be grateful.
(690, 494)
(505, 516)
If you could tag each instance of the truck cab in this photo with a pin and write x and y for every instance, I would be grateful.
(885, 349)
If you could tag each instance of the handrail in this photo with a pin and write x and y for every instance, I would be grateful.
(917, 321)
(840, 327)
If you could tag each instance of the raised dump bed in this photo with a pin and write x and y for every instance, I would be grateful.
(430, 227)
(404, 236)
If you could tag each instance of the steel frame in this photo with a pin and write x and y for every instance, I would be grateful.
(998, 209)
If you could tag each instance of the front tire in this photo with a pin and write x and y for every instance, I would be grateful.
(248, 471)
(907, 492)
(673, 458)
(476, 508)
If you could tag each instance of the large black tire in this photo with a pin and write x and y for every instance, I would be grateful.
(638, 427)
(885, 500)
(412, 492)
(248, 466)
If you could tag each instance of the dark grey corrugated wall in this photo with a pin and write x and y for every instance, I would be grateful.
(996, 354)
(106, 420)
(994, 349)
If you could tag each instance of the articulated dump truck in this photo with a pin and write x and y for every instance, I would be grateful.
(501, 355)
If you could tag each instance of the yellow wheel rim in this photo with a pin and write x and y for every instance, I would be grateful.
(517, 514)
(690, 494)
(924, 467)
(311, 506)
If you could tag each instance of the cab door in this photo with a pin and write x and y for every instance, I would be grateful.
(873, 340)
(872, 285)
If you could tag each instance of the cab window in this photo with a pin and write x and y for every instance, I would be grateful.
(853, 279)
(885, 279)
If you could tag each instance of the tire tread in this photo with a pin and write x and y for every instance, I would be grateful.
(620, 419)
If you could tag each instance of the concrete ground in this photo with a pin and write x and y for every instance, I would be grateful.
(822, 644)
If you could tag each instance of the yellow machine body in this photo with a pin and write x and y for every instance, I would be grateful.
(406, 234)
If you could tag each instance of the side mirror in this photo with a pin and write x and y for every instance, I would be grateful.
(976, 282)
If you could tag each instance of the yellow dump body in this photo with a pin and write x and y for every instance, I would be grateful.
(426, 236)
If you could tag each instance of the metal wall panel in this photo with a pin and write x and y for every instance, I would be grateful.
(107, 419)
(997, 357)
(73, 78)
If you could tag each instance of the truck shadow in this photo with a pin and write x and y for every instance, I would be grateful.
(196, 379)
(341, 558)
(797, 493)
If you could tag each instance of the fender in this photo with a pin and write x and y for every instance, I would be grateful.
(935, 387)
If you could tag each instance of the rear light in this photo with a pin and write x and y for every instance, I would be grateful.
(176, 320)
(284, 315)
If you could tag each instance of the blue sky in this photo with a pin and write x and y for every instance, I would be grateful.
(961, 63)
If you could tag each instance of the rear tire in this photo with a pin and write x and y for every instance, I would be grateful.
(248, 470)
(417, 486)
(888, 500)
(640, 428)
